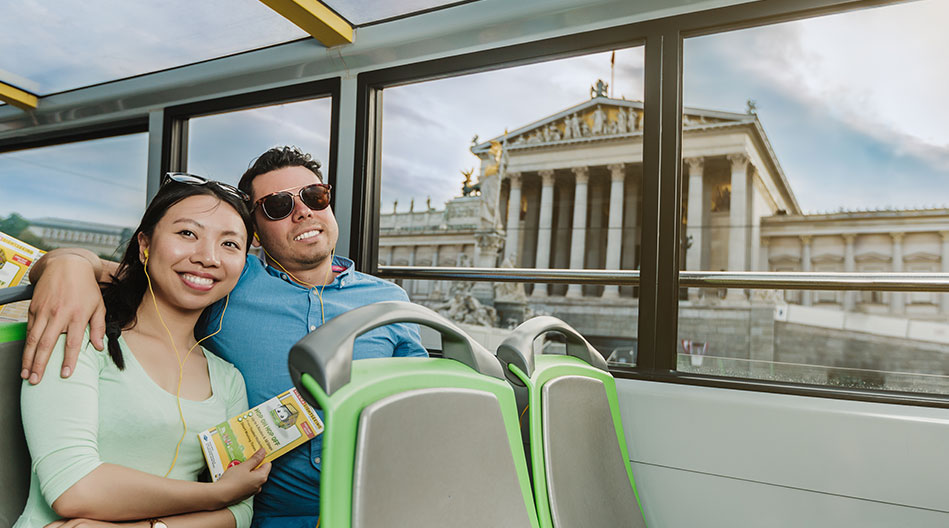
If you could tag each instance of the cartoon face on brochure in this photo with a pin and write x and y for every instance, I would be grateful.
(285, 416)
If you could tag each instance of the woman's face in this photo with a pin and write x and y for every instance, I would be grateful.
(196, 252)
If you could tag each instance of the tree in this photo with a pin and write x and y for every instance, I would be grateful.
(14, 224)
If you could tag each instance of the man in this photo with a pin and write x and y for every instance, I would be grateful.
(301, 285)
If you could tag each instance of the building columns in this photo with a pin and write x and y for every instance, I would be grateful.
(511, 246)
(738, 213)
(896, 298)
(614, 234)
(849, 266)
(545, 227)
(738, 220)
(694, 218)
(944, 297)
(578, 238)
(763, 263)
(806, 295)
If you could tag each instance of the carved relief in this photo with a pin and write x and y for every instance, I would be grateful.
(601, 121)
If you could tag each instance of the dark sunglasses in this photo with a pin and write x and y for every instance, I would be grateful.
(279, 205)
(194, 179)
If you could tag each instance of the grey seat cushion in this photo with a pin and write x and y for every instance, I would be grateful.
(435, 458)
(587, 481)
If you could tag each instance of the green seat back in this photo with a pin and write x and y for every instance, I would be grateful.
(15, 471)
(421, 442)
(579, 459)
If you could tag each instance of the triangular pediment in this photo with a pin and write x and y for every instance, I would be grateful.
(784, 259)
(922, 256)
(827, 258)
(600, 118)
(873, 256)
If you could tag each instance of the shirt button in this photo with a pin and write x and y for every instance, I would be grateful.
(312, 328)
(316, 460)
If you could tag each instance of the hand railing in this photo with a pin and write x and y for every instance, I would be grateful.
(774, 280)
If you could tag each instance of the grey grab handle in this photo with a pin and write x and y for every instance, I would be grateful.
(517, 349)
(16, 293)
(326, 353)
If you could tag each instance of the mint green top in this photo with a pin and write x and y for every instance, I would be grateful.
(105, 415)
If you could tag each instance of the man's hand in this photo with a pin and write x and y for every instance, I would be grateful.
(67, 299)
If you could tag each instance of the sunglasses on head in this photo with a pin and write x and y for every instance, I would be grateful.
(194, 179)
(279, 205)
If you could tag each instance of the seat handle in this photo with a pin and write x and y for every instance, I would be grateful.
(16, 293)
(517, 348)
(326, 354)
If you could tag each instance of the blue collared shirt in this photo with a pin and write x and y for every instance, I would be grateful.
(267, 313)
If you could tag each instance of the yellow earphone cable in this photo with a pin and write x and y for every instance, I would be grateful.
(319, 293)
(181, 362)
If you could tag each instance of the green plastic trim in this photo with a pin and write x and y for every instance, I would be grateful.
(374, 379)
(546, 368)
(10, 332)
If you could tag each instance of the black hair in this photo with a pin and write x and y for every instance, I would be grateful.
(127, 290)
(278, 158)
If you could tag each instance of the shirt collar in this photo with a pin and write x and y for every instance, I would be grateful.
(343, 266)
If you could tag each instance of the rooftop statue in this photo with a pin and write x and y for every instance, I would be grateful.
(599, 89)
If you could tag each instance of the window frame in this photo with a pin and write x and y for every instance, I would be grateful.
(662, 169)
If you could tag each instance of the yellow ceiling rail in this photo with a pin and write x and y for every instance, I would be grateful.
(17, 97)
(316, 19)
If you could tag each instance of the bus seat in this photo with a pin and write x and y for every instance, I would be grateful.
(579, 460)
(15, 471)
(421, 442)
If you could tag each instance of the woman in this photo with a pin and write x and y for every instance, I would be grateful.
(103, 440)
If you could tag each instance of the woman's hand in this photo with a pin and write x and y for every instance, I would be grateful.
(89, 523)
(243, 480)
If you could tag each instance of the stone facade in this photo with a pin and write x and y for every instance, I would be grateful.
(566, 192)
(101, 239)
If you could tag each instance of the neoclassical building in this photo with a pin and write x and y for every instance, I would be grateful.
(101, 239)
(564, 192)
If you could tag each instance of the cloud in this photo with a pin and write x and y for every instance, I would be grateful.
(428, 127)
(120, 39)
(222, 146)
(842, 107)
(96, 181)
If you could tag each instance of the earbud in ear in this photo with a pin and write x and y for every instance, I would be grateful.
(257, 238)
(146, 252)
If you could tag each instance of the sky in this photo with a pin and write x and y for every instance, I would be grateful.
(851, 103)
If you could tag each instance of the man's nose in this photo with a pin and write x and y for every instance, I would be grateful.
(300, 209)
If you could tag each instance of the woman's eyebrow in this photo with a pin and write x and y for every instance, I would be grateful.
(188, 221)
(229, 232)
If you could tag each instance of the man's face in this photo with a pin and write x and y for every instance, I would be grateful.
(304, 239)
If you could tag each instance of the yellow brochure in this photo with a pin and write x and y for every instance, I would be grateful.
(278, 425)
(16, 257)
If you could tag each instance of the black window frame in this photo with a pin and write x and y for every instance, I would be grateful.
(662, 166)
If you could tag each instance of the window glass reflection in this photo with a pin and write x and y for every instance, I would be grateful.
(533, 166)
(87, 194)
(222, 146)
(799, 156)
